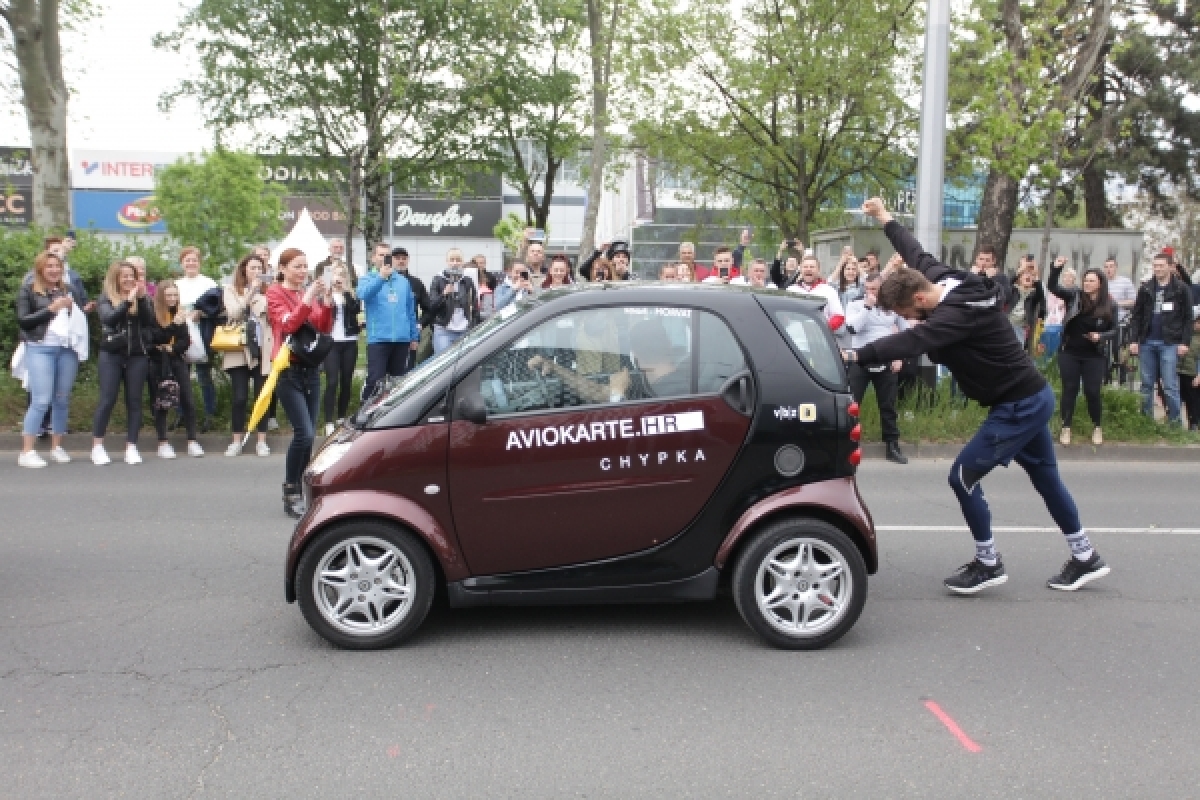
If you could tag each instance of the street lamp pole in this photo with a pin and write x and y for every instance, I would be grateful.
(931, 150)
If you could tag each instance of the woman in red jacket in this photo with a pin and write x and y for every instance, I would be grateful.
(289, 307)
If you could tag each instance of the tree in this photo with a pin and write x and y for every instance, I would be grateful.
(528, 76)
(365, 86)
(783, 105)
(220, 204)
(35, 28)
(1021, 71)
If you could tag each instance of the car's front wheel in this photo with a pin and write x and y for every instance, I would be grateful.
(365, 585)
(800, 583)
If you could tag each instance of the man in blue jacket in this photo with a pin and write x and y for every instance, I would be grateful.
(391, 310)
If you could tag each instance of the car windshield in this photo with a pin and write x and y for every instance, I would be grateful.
(399, 389)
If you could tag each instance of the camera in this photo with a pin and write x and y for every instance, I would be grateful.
(523, 274)
(387, 261)
(791, 244)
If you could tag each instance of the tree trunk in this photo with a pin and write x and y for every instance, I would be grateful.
(541, 209)
(375, 191)
(1095, 201)
(353, 208)
(35, 32)
(996, 214)
(601, 60)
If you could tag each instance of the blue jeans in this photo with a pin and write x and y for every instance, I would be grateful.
(443, 338)
(384, 359)
(51, 376)
(1013, 431)
(299, 390)
(1159, 360)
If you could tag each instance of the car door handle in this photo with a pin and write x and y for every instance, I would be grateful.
(738, 392)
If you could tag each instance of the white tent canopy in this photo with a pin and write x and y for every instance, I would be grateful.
(305, 237)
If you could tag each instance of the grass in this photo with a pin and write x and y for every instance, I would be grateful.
(934, 416)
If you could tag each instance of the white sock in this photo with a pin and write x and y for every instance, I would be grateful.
(985, 552)
(1081, 546)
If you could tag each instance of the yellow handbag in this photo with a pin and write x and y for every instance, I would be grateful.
(229, 338)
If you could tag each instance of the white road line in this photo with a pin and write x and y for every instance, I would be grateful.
(1018, 529)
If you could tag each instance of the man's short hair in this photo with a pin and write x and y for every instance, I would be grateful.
(986, 250)
(378, 245)
(51, 240)
(721, 250)
(759, 262)
(1164, 256)
(897, 291)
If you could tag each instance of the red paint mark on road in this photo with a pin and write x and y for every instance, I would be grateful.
(952, 726)
(394, 751)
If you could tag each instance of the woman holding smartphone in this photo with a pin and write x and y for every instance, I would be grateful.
(339, 364)
(290, 306)
(246, 303)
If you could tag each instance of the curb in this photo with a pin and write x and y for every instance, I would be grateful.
(927, 451)
(213, 443)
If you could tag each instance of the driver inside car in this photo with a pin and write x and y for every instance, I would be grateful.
(658, 371)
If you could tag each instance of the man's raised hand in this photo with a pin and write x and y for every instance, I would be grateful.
(874, 208)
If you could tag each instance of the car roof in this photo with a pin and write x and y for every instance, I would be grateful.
(707, 295)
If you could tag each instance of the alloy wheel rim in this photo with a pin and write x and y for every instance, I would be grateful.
(803, 587)
(364, 586)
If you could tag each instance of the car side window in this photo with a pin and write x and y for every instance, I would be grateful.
(595, 357)
(720, 356)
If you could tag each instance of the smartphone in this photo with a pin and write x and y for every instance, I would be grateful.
(523, 274)
(387, 261)
(538, 235)
(723, 272)
(791, 243)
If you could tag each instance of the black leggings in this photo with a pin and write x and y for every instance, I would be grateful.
(178, 369)
(1190, 395)
(1072, 368)
(240, 379)
(339, 377)
(115, 369)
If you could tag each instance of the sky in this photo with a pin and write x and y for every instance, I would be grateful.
(117, 77)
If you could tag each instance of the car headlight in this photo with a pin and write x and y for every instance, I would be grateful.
(328, 456)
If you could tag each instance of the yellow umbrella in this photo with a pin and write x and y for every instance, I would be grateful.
(282, 361)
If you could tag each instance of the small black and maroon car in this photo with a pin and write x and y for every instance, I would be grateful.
(604, 444)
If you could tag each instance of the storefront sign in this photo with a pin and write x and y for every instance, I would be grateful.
(16, 207)
(302, 174)
(16, 169)
(325, 214)
(445, 218)
(116, 212)
(118, 169)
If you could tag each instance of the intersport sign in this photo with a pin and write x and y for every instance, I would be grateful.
(129, 170)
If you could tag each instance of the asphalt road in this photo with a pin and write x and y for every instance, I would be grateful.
(146, 651)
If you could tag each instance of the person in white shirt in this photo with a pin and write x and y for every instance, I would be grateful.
(810, 283)
(755, 276)
(866, 322)
(193, 284)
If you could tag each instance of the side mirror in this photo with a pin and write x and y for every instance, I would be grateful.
(471, 408)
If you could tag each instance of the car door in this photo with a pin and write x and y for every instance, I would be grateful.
(575, 463)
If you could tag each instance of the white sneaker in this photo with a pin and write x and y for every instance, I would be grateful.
(329, 429)
(166, 451)
(262, 449)
(1064, 438)
(234, 449)
(100, 456)
(31, 460)
(1097, 436)
(272, 424)
(132, 456)
(195, 450)
(59, 456)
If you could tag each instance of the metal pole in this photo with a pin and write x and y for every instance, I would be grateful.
(931, 152)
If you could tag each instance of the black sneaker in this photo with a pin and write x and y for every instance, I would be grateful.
(975, 577)
(1076, 573)
(893, 453)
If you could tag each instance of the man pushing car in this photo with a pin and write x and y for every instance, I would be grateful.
(964, 328)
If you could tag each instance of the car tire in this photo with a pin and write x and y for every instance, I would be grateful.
(800, 583)
(377, 586)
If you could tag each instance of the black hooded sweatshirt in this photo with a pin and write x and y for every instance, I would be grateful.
(968, 332)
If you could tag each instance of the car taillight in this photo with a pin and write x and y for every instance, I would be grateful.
(852, 410)
(856, 433)
(855, 457)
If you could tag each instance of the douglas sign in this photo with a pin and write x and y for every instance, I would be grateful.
(447, 218)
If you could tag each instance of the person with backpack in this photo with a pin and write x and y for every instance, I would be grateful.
(169, 371)
(126, 337)
(290, 308)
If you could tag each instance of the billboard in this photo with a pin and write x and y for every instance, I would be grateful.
(118, 169)
(16, 168)
(445, 218)
(16, 206)
(116, 212)
(325, 215)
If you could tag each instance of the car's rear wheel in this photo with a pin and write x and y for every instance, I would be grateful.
(365, 585)
(800, 583)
